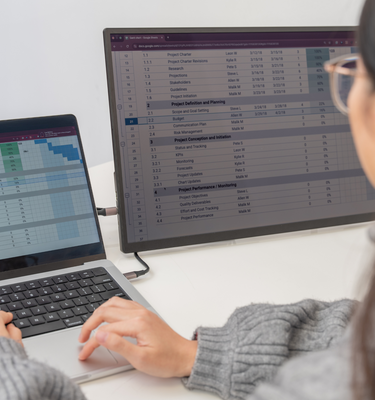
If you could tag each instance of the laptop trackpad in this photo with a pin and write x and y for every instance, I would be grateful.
(60, 350)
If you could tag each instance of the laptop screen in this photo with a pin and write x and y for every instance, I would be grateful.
(228, 133)
(47, 211)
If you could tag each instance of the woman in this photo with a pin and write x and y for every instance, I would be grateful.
(247, 357)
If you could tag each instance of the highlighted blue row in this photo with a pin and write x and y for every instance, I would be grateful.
(67, 150)
(131, 121)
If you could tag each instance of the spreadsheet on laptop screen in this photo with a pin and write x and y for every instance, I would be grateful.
(230, 132)
(44, 196)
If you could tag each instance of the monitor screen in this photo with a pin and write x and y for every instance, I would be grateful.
(229, 133)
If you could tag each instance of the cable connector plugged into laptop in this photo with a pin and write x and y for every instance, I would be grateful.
(137, 274)
(106, 212)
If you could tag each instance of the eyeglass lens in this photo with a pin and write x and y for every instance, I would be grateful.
(345, 82)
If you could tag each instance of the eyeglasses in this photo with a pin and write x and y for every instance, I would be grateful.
(342, 71)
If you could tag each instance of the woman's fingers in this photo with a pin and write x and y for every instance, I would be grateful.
(5, 318)
(9, 331)
(113, 310)
(130, 323)
(117, 344)
(159, 350)
(88, 349)
(122, 303)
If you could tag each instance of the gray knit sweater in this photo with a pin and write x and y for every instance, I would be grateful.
(248, 356)
(244, 359)
(25, 379)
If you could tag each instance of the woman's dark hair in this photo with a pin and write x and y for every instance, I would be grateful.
(366, 37)
(364, 322)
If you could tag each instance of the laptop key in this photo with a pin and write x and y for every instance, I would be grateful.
(43, 300)
(94, 298)
(45, 291)
(72, 294)
(30, 294)
(52, 307)
(60, 279)
(15, 306)
(98, 288)
(85, 282)
(18, 288)
(99, 271)
(80, 301)
(46, 282)
(24, 314)
(3, 307)
(5, 290)
(72, 285)
(73, 277)
(92, 307)
(75, 321)
(85, 291)
(59, 288)
(44, 328)
(22, 323)
(86, 274)
(51, 317)
(110, 286)
(17, 296)
(80, 310)
(65, 314)
(4, 299)
(32, 285)
(57, 297)
(112, 293)
(29, 303)
(36, 320)
(66, 304)
(38, 310)
(102, 279)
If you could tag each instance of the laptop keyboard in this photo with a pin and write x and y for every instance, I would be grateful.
(58, 302)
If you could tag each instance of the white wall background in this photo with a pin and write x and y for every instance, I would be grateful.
(52, 59)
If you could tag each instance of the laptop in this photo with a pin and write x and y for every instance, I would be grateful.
(53, 268)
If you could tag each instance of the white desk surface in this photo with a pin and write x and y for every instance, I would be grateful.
(202, 285)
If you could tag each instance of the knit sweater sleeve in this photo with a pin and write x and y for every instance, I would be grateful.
(233, 360)
(22, 378)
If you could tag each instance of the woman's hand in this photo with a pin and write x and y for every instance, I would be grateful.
(159, 350)
(9, 331)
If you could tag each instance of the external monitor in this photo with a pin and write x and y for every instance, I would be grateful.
(226, 133)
